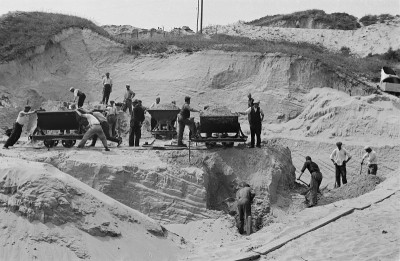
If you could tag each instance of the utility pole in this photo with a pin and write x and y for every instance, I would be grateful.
(201, 18)
(197, 22)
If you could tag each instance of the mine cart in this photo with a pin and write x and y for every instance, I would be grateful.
(164, 118)
(225, 129)
(64, 126)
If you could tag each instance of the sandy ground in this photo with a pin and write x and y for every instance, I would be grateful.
(370, 234)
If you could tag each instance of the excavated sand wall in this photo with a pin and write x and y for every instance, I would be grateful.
(168, 189)
(79, 58)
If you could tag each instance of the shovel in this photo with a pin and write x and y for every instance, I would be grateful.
(303, 182)
(361, 168)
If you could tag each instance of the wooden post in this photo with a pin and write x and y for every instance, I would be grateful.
(248, 225)
(189, 151)
(197, 21)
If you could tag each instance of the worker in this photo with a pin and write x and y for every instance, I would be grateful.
(244, 197)
(372, 160)
(153, 122)
(183, 120)
(316, 179)
(128, 96)
(107, 88)
(22, 119)
(256, 116)
(340, 157)
(106, 129)
(94, 129)
(112, 118)
(78, 94)
(137, 119)
(250, 101)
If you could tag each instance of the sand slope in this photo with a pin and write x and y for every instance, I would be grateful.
(48, 215)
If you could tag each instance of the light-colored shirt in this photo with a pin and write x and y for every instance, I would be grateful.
(112, 110)
(339, 156)
(250, 108)
(99, 116)
(91, 119)
(129, 94)
(107, 81)
(22, 118)
(76, 92)
(372, 159)
(154, 104)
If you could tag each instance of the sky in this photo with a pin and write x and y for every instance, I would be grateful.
(177, 13)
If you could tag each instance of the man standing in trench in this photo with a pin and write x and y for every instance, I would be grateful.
(316, 179)
(256, 116)
(137, 119)
(22, 119)
(372, 160)
(340, 157)
(244, 197)
(107, 88)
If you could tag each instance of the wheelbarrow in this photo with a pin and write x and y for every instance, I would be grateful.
(67, 122)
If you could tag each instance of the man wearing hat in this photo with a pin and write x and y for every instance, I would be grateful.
(184, 119)
(137, 119)
(256, 116)
(316, 179)
(22, 119)
(340, 157)
(128, 96)
(78, 94)
(372, 160)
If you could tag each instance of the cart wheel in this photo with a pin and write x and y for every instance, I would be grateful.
(55, 143)
(228, 144)
(210, 144)
(49, 143)
(68, 143)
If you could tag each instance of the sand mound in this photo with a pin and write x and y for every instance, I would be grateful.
(355, 187)
(65, 219)
(331, 113)
(217, 111)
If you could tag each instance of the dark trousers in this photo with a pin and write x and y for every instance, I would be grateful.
(372, 169)
(106, 129)
(153, 123)
(81, 100)
(244, 210)
(316, 179)
(15, 135)
(128, 105)
(340, 173)
(112, 122)
(181, 128)
(135, 134)
(106, 93)
(255, 130)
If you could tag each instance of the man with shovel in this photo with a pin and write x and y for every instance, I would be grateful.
(244, 197)
(316, 179)
(372, 160)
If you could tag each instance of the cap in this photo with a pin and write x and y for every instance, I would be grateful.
(338, 143)
(27, 106)
(308, 158)
(187, 97)
(367, 147)
(71, 89)
(111, 101)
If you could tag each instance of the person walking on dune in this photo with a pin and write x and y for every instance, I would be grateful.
(244, 197)
(22, 119)
(316, 179)
(372, 160)
(94, 129)
(340, 157)
(107, 88)
(78, 94)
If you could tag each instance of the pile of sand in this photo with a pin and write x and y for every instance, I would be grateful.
(356, 186)
(217, 111)
(165, 106)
